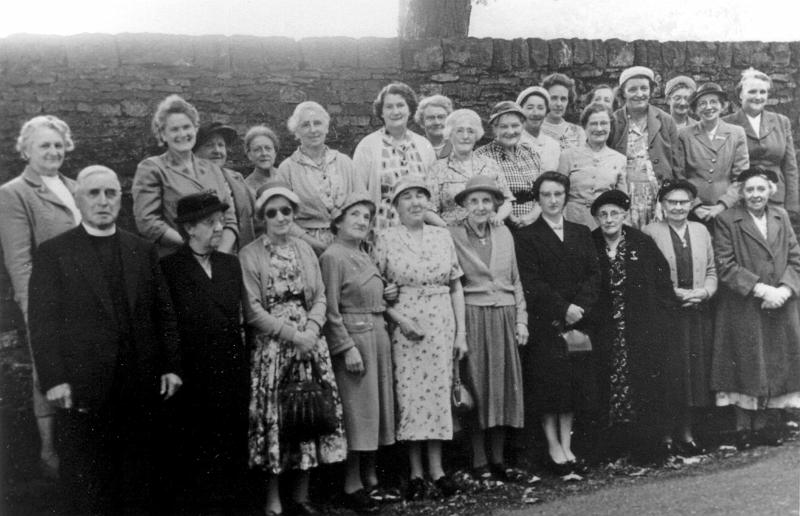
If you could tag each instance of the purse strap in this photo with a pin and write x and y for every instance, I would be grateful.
(316, 372)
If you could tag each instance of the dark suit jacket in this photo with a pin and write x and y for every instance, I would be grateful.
(210, 325)
(73, 334)
(556, 274)
(774, 149)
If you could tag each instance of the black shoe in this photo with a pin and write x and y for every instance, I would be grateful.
(744, 440)
(446, 486)
(417, 489)
(579, 466)
(482, 473)
(360, 502)
(302, 509)
(557, 469)
(689, 448)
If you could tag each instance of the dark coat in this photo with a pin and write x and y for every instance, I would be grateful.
(554, 275)
(756, 352)
(663, 137)
(209, 415)
(210, 326)
(73, 335)
(773, 148)
(649, 303)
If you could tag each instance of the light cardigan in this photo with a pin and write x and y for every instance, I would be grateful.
(255, 260)
(303, 177)
(496, 285)
(368, 155)
(704, 272)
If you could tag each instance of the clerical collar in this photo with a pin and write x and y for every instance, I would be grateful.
(93, 231)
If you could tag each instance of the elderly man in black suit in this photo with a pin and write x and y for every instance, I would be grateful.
(105, 341)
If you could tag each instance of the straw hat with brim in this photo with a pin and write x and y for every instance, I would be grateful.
(194, 207)
(533, 90)
(615, 197)
(206, 131)
(709, 88)
(351, 200)
(480, 184)
(407, 183)
(671, 185)
(269, 190)
(636, 71)
(767, 174)
(503, 108)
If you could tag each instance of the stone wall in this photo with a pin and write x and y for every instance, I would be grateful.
(106, 87)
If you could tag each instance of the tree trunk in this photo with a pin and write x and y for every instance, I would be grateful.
(434, 18)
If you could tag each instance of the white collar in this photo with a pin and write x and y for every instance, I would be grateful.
(99, 232)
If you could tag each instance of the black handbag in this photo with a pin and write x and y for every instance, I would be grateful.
(307, 408)
(462, 398)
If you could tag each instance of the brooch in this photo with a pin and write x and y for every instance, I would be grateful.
(633, 256)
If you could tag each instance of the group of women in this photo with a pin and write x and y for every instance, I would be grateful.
(621, 270)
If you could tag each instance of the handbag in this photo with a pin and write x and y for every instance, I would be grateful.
(577, 341)
(306, 408)
(461, 397)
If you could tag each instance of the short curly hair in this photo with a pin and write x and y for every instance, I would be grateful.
(308, 105)
(39, 122)
(174, 104)
(395, 88)
(463, 115)
(434, 100)
(752, 73)
(559, 79)
(596, 107)
(261, 130)
(556, 177)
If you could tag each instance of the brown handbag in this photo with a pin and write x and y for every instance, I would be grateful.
(307, 408)
(462, 398)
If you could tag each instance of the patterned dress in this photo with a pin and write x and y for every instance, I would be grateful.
(270, 358)
(448, 178)
(520, 167)
(620, 408)
(423, 370)
(567, 135)
(642, 181)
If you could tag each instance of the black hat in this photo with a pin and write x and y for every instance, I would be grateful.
(676, 184)
(758, 171)
(616, 197)
(194, 207)
(206, 131)
(705, 89)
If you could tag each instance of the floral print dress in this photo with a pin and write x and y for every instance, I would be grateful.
(620, 402)
(423, 369)
(642, 181)
(271, 357)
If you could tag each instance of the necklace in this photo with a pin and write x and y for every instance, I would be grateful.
(482, 239)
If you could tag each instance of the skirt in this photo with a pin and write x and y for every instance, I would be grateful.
(492, 369)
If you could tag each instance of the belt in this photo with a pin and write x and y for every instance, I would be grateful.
(523, 197)
(425, 290)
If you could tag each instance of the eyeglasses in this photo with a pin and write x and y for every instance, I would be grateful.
(610, 214)
(273, 212)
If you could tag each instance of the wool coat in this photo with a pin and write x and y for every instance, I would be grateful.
(649, 299)
(756, 351)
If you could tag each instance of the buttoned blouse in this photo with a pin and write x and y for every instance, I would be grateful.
(590, 173)
(159, 183)
(321, 188)
(548, 149)
(353, 285)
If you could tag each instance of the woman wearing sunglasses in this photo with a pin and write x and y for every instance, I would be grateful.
(284, 303)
